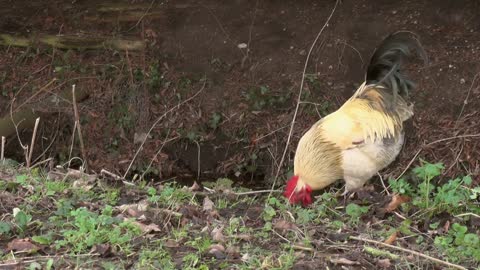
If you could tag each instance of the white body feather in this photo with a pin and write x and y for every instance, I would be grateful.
(361, 163)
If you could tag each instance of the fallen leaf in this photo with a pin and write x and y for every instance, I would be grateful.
(171, 243)
(396, 201)
(152, 227)
(217, 234)
(384, 263)
(446, 227)
(102, 249)
(134, 209)
(391, 238)
(218, 247)
(233, 250)
(218, 251)
(22, 245)
(207, 204)
(284, 225)
(245, 237)
(344, 261)
(195, 187)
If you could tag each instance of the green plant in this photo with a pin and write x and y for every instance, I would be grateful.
(427, 172)
(459, 245)
(260, 97)
(170, 195)
(215, 120)
(155, 259)
(22, 220)
(401, 186)
(202, 244)
(88, 229)
(355, 211)
(191, 261)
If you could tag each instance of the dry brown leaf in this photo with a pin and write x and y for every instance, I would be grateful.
(217, 247)
(391, 238)
(171, 243)
(152, 227)
(284, 225)
(245, 237)
(218, 251)
(217, 234)
(384, 263)
(344, 261)
(195, 187)
(208, 204)
(446, 227)
(102, 249)
(396, 201)
(22, 245)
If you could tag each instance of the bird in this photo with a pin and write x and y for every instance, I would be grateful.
(366, 133)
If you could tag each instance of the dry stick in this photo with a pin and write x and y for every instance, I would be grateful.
(198, 160)
(409, 251)
(73, 140)
(2, 150)
(158, 153)
(79, 129)
(300, 96)
(158, 121)
(30, 152)
(42, 162)
(465, 102)
(432, 143)
(256, 192)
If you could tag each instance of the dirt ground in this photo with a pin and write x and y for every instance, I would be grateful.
(252, 55)
(221, 78)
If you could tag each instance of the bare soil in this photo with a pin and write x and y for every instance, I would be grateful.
(238, 125)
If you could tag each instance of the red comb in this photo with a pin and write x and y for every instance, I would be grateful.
(296, 196)
(291, 185)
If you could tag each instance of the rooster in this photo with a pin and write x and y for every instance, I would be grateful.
(364, 135)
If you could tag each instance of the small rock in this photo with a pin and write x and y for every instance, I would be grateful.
(302, 52)
(242, 45)
(462, 81)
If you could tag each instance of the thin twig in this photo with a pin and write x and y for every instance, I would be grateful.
(408, 251)
(256, 192)
(74, 131)
(42, 162)
(465, 102)
(383, 183)
(300, 95)
(293, 246)
(158, 121)
(158, 153)
(468, 214)
(432, 143)
(79, 129)
(34, 135)
(198, 159)
(116, 177)
(143, 16)
(2, 150)
(245, 57)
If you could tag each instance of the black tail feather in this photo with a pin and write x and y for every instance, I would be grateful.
(385, 66)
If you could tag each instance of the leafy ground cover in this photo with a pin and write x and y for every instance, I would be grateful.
(66, 219)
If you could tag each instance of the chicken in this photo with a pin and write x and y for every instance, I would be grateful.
(365, 134)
